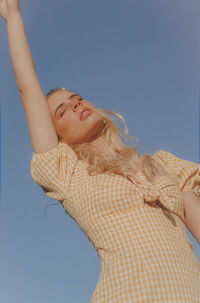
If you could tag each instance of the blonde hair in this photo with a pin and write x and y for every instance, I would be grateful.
(127, 162)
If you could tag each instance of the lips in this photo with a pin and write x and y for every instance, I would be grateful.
(88, 110)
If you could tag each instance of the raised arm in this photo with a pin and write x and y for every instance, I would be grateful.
(41, 129)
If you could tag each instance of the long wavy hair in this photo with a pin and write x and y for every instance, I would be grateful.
(127, 162)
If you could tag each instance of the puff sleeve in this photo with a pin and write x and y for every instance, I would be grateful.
(187, 172)
(53, 170)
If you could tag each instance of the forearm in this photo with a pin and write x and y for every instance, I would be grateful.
(20, 53)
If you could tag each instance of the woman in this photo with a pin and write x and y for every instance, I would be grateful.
(134, 208)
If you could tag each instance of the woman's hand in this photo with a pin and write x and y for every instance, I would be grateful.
(7, 6)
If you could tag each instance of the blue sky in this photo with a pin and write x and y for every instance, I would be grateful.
(139, 58)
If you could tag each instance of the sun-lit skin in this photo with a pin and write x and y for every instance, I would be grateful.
(67, 120)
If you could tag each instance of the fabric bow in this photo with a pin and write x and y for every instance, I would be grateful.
(152, 195)
(165, 193)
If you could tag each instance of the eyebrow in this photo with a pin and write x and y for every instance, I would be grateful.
(70, 97)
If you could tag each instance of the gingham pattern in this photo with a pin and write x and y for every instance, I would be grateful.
(138, 229)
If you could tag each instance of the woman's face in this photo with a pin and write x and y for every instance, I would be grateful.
(65, 109)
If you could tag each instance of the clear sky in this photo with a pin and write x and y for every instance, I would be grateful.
(139, 58)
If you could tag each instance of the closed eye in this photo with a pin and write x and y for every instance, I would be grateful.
(62, 113)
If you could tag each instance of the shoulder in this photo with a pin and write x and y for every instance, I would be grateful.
(163, 153)
(61, 148)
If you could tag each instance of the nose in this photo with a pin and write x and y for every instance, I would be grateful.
(75, 106)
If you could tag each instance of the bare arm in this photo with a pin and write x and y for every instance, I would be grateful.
(42, 132)
(192, 213)
(20, 53)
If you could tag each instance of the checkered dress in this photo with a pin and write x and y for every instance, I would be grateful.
(138, 229)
